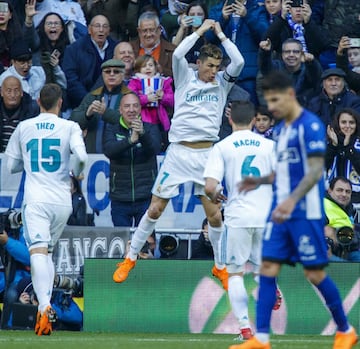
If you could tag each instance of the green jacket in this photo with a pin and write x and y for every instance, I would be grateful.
(89, 124)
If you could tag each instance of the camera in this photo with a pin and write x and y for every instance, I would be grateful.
(75, 286)
(168, 245)
(296, 3)
(345, 236)
(10, 219)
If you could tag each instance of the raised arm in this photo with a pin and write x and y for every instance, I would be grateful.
(179, 62)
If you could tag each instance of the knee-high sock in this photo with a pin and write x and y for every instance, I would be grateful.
(265, 303)
(333, 301)
(51, 269)
(214, 237)
(142, 232)
(239, 300)
(40, 279)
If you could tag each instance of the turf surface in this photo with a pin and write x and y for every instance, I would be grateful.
(79, 340)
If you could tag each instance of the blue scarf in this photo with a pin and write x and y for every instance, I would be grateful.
(298, 31)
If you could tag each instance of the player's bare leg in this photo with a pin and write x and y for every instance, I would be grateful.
(142, 232)
(213, 215)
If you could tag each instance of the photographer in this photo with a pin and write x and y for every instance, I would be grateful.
(15, 259)
(342, 235)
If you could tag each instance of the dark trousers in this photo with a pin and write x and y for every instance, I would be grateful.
(128, 214)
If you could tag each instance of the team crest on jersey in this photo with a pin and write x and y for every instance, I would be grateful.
(315, 126)
(305, 246)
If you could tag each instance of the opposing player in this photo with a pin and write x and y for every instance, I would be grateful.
(243, 153)
(200, 97)
(42, 146)
(295, 228)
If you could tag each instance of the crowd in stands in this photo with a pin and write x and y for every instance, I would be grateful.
(97, 51)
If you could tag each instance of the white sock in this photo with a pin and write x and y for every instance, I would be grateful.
(142, 232)
(214, 237)
(40, 279)
(262, 337)
(51, 269)
(239, 300)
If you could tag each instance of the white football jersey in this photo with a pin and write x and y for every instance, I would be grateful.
(199, 105)
(44, 145)
(239, 155)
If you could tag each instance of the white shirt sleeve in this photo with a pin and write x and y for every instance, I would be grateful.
(180, 66)
(215, 165)
(77, 147)
(236, 65)
(13, 153)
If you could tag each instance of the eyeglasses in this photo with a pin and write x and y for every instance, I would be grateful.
(23, 64)
(295, 52)
(112, 71)
(98, 26)
(53, 24)
(148, 30)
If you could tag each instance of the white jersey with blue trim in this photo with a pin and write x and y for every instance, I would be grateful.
(243, 153)
(199, 105)
(303, 138)
(44, 144)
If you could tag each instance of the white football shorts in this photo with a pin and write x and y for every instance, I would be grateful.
(240, 245)
(44, 223)
(181, 164)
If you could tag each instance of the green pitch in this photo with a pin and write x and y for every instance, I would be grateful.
(86, 340)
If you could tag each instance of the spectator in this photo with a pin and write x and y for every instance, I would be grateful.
(245, 22)
(154, 99)
(302, 67)
(263, 122)
(122, 15)
(11, 29)
(70, 11)
(171, 15)
(342, 235)
(16, 257)
(348, 54)
(150, 42)
(15, 106)
(132, 146)
(273, 9)
(83, 59)
(69, 315)
(195, 14)
(295, 22)
(78, 215)
(333, 97)
(343, 149)
(32, 78)
(101, 105)
(202, 246)
(124, 51)
(340, 17)
(53, 38)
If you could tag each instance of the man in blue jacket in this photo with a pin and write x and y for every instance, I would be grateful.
(83, 59)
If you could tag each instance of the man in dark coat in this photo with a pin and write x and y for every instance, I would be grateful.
(334, 96)
(83, 59)
(15, 106)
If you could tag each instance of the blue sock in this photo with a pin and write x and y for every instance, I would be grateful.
(333, 301)
(265, 303)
